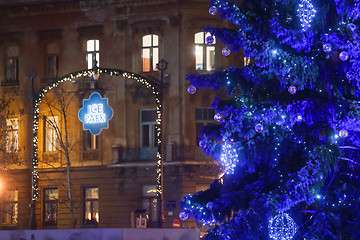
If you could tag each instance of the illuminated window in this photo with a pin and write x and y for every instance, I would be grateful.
(91, 205)
(90, 141)
(51, 199)
(52, 61)
(11, 211)
(12, 66)
(12, 135)
(203, 117)
(92, 53)
(150, 52)
(148, 128)
(150, 202)
(51, 133)
(204, 53)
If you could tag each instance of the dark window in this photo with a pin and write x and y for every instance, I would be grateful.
(52, 66)
(148, 128)
(90, 141)
(203, 117)
(12, 75)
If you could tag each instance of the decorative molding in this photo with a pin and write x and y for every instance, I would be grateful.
(50, 35)
(90, 31)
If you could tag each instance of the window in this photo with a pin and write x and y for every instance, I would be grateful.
(150, 52)
(92, 53)
(50, 133)
(148, 128)
(150, 202)
(90, 141)
(12, 135)
(203, 117)
(12, 66)
(52, 61)
(91, 205)
(204, 53)
(11, 211)
(51, 198)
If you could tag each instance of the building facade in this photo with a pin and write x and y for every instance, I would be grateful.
(113, 175)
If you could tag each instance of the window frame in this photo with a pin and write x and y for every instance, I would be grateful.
(54, 66)
(52, 144)
(53, 211)
(204, 51)
(11, 219)
(14, 136)
(95, 220)
(151, 48)
(90, 141)
(92, 54)
(207, 118)
(152, 139)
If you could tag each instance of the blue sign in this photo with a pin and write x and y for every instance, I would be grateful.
(95, 113)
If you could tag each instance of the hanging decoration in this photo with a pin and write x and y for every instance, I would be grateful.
(327, 47)
(226, 51)
(217, 117)
(344, 56)
(209, 40)
(228, 157)
(306, 13)
(212, 10)
(191, 89)
(282, 227)
(292, 89)
(259, 127)
(343, 133)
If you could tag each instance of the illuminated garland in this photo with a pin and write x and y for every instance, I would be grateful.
(152, 85)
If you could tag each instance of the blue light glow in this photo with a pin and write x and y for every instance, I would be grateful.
(306, 13)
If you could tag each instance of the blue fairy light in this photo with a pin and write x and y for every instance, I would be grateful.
(228, 157)
(306, 13)
(282, 227)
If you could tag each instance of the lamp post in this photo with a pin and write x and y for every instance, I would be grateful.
(161, 65)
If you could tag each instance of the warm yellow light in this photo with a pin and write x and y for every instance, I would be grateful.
(89, 216)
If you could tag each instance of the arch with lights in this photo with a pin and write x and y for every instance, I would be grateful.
(39, 95)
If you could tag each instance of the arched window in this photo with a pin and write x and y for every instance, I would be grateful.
(150, 52)
(92, 53)
(204, 53)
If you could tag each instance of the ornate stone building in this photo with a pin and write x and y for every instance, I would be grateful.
(114, 174)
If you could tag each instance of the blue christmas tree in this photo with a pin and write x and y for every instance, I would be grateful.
(289, 133)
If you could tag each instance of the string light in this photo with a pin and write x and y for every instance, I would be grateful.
(306, 13)
(70, 78)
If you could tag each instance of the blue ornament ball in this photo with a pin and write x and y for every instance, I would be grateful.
(259, 127)
(209, 205)
(343, 133)
(217, 117)
(212, 10)
(191, 89)
(183, 216)
(226, 51)
(327, 47)
(202, 143)
(282, 227)
(344, 56)
(351, 27)
(350, 75)
(209, 40)
(292, 89)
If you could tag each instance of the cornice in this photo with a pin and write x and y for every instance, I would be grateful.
(41, 7)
